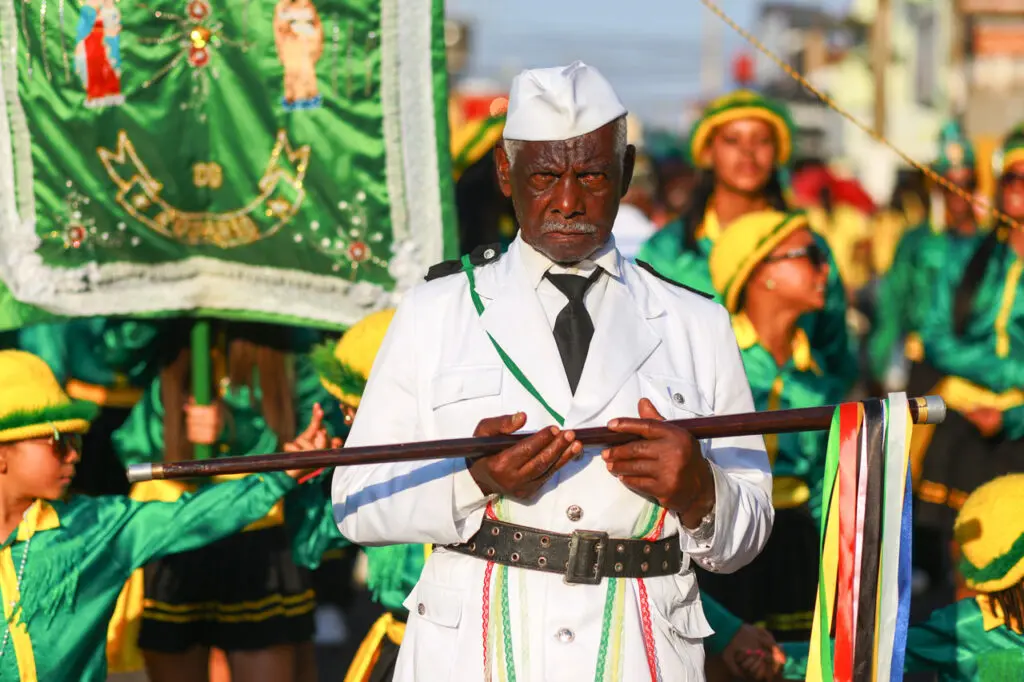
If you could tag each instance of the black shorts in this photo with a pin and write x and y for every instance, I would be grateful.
(243, 593)
(776, 590)
(959, 460)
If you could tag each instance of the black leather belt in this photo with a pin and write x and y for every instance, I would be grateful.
(585, 557)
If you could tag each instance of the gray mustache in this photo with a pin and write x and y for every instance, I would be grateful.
(568, 228)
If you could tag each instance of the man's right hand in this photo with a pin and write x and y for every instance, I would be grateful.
(522, 469)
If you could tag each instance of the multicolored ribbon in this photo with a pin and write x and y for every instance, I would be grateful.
(864, 582)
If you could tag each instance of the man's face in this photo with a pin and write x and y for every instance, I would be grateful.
(566, 194)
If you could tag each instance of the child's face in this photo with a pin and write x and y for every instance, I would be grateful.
(40, 467)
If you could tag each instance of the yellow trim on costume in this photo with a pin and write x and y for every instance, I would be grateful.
(707, 126)
(801, 620)
(920, 439)
(913, 347)
(1005, 306)
(992, 613)
(771, 440)
(40, 516)
(1012, 157)
(369, 650)
(937, 493)
(115, 396)
(709, 227)
(746, 337)
(963, 396)
(43, 429)
(275, 517)
(123, 653)
(789, 492)
(261, 610)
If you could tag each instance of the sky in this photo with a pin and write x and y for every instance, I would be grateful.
(650, 50)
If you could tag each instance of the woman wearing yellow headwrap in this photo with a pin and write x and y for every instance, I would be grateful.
(770, 270)
(980, 638)
(742, 145)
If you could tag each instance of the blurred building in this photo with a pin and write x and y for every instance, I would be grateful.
(917, 93)
(991, 74)
(808, 40)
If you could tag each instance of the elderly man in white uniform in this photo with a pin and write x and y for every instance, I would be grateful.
(554, 562)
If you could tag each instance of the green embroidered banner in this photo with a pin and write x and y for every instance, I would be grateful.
(251, 159)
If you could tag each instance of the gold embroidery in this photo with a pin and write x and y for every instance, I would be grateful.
(207, 175)
(280, 195)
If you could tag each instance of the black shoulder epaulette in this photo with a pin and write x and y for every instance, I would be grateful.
(650, 268)
(481, 255)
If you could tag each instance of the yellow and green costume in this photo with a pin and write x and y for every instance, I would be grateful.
(777, 589)
(392, 571)
(62, 568)
(668, 252)
(971, 640)
(923, 252)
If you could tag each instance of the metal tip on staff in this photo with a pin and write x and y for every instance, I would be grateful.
(145, 472)
(931, 409)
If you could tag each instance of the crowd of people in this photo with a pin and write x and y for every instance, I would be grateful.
(223, 579)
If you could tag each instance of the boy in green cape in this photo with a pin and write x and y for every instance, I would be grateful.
(63, 562)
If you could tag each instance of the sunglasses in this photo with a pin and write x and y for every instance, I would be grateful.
(64, 443)
(812, 252)
(1011, 177)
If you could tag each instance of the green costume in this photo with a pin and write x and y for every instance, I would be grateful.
(797, 459)
(101, 351)
(989, 352)
(307, 513)
(722, 621)
(826, 329)
(922, 257)
(81, 552)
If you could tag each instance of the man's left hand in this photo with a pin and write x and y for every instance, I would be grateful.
(665, 464)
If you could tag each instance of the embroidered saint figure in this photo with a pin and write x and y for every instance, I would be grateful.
(98, 53)
(299, 37)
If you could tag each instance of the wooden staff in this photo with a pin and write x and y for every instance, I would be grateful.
(927, 410)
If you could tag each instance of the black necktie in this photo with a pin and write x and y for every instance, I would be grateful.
(573, 326)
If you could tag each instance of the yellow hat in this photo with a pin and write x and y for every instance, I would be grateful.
(990, 532)
(32, 403)
(473, 139)
(739, 105)
(743, 245)
(345, 366)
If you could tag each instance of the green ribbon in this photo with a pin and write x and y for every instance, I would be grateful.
(467, 267)
(995, 569)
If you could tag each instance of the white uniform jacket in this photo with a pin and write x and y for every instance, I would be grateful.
(437, 375)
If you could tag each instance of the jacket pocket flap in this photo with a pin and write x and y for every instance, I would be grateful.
(681, 394)
(465, 383)
(435, 604)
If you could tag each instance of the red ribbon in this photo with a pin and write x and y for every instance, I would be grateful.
(849, 429)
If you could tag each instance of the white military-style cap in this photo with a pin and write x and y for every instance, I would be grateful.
(560, 103)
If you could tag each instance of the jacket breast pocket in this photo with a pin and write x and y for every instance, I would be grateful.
(466, 393)
(674, 398)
